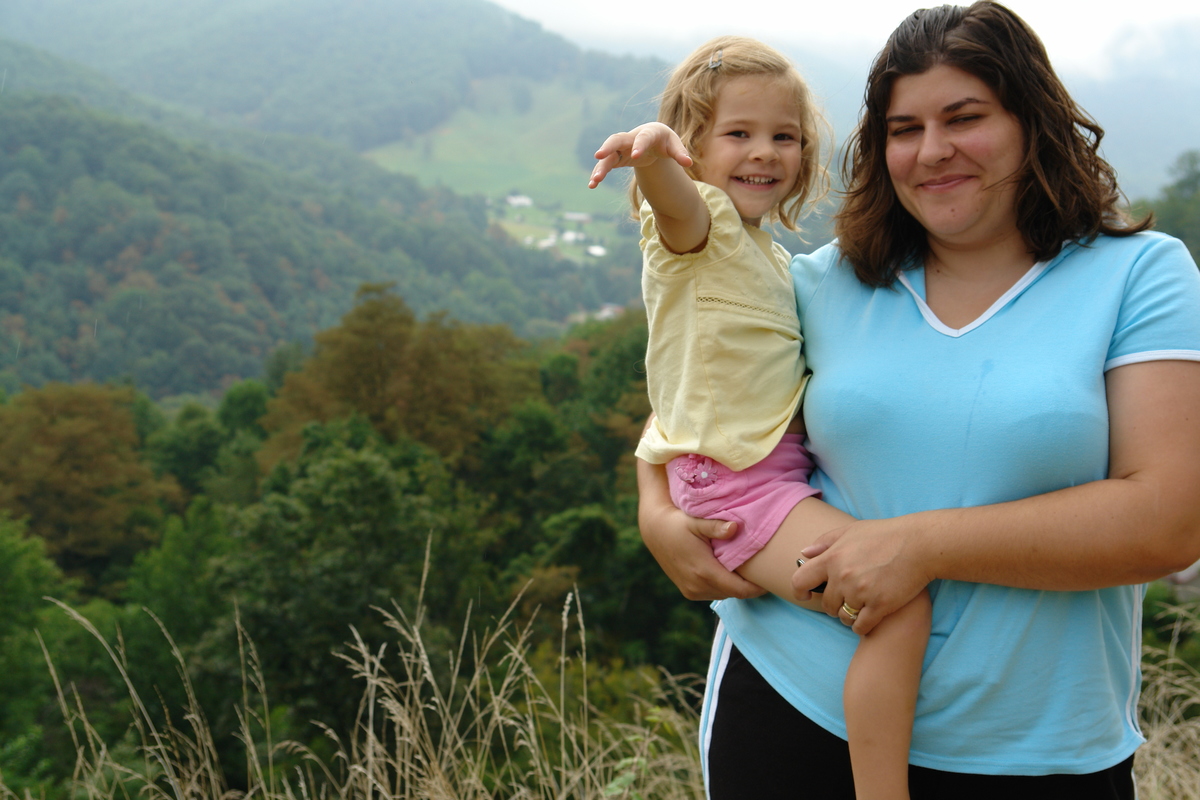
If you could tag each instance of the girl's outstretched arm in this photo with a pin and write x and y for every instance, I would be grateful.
(658, 157)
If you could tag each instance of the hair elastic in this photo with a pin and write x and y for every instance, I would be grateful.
(715, 60)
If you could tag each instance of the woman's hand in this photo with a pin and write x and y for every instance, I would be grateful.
(872, 566)
(639, 147)
(680, 544)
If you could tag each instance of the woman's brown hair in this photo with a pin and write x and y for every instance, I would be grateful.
(689, 102)
(1065, 190)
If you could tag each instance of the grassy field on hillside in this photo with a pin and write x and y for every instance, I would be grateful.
(495, 149)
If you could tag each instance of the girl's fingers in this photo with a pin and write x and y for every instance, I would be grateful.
(606, 165)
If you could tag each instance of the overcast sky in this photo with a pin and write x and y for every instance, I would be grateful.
(1081, 37)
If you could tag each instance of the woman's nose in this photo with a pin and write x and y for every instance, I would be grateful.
(935, 147)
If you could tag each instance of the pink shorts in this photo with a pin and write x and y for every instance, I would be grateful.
(758, 498)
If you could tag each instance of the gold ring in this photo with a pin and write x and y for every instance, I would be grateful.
(852, 613)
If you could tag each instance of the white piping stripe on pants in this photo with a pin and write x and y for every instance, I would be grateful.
(722, 644)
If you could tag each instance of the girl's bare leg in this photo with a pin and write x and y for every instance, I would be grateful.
(772, 567)
(880, 694)
(880, 698)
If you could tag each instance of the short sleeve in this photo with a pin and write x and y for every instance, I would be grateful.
(724, 235)
(808, 272)
(1159, 317)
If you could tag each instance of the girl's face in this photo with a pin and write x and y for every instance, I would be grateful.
(954, 153)
(752, 150)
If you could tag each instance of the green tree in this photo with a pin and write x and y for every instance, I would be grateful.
(69, 466)
(187, 449)
(1178, 207)
(340, 531)
(438, 382)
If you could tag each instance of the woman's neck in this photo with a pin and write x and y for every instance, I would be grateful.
(962, 282)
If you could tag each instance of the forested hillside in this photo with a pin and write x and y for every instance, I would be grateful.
(128, 254)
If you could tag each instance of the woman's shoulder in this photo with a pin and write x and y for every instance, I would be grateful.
(1105, 247)
(822, 268)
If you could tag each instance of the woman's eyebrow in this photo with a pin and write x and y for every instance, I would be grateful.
(950, 109)
(966, 101)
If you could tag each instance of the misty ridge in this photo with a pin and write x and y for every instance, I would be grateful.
(227, 173)
(369, 73)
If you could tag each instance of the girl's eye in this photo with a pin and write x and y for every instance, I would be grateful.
(738, 134)
(784, 137)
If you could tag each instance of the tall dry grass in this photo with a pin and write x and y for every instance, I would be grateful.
(1168, 764)
(488, 728)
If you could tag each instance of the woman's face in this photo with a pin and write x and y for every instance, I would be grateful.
(953, 153)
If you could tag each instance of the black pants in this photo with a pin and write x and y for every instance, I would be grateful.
(763, 748)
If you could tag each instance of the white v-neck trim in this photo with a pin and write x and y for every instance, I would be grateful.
(1003, 300)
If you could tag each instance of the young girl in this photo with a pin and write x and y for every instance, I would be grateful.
(724, 365)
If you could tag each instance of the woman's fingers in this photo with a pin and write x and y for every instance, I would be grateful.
(868, 569)
(711, 528)
(679, 544)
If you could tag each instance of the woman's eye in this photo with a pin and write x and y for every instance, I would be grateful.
(901, 131)
(965, 118)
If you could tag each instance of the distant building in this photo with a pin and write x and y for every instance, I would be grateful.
(597, 250)
(573, 237)
(519, 200)
(609, 311)
(577, 216)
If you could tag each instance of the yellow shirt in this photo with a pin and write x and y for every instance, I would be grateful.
(724, 366)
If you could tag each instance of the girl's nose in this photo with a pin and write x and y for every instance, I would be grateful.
(764, 150)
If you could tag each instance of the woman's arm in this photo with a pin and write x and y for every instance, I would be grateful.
(1141, 523)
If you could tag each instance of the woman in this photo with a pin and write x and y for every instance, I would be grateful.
(1005, 379)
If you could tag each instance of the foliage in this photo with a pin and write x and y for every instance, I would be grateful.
(69, 466)
(344, 529)
(1178, 207)
(124, 253)
(438, 382)
(495, 715)
(502, 713)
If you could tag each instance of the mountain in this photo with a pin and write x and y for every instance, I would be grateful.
(357, 72)
(126, 253)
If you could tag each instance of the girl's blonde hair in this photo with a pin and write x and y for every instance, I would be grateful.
(689, 102)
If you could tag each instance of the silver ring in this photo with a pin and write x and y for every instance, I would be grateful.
(851, 612)
(799, 562)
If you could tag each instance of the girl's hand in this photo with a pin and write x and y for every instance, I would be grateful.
(870, 565)
(639, 147)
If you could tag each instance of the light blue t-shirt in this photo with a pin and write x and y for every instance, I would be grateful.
(905, 415)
